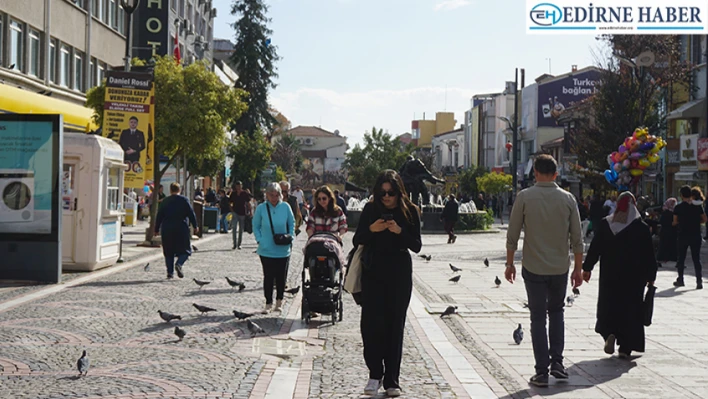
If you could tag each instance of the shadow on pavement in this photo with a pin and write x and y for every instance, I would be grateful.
(187, 321)
(119, 283)
(598, 371)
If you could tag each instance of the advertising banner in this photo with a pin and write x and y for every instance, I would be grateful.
(702, 154)
(28, 176)
(688, 155)
(611, 17)
(128, 119)
(557, 95)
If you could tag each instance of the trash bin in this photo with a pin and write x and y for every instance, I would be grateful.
(131, 211)
(211, 218)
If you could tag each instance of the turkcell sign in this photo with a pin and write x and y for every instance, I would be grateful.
(626, 17)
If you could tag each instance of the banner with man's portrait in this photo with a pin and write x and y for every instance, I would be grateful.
(128, 119)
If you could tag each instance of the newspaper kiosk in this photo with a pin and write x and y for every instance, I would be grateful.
(92, 201)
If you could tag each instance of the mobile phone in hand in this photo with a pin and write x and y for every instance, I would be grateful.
(387, 216)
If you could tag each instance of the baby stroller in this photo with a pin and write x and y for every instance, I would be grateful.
(322, 278)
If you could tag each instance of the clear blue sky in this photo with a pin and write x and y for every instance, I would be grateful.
(354, 64)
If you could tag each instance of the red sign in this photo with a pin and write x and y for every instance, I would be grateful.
(702, 154)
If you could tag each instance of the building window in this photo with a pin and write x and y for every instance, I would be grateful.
(112, 11)
(696, 50)
(172, 4)
(53, 61)
(190, 13)
(97, 8)
(78, 71)
(181, 8)
(34, 52)
(65, 66)
(121, 22)
(17, 40)
(2, 41)
(101, 73)
(92, 72)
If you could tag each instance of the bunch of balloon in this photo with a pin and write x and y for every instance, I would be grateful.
(627, 164)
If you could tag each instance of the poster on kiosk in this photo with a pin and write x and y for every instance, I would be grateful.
(30, 168)
(128, 119)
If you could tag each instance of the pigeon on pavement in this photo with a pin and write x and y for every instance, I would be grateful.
(497, 282)
(203, 309)
(201, 283)
(570, 300)
(254, 328)
(235, 284)
(456, 278)
(147, 267)
(455, 268)
(242, 315)
(450, 310)
(194, 248)
(168, 316)
(576, 291)
(83, 364)
(293, 291)
(426, 257)
(486, 262)
(518, 335)
(180, 333)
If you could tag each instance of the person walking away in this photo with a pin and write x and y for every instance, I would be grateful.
(551, 221)
(225, 208)
(450, 214)
(341, 203)
(274, 257)
(327, 216)
(688, 219)
(173, 220)
(300, 196)
(294, 206)
(210, 197)
(668, 235)
(627, 264)
(479, 203)
(610, 205)
(389, 227)
(241, 207)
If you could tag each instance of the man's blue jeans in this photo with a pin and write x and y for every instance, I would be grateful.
(224, 223)
(237, 222)
(546, 294)
(170, 262)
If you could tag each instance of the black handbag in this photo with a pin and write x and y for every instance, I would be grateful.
(279, 239)
(648, 305)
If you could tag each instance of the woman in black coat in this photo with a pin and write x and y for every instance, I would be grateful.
(389, 227)
(668, 236)
(622, 244)
(450, 215)
(173, 219)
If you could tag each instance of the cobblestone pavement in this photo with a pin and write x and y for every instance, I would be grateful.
(134, 354)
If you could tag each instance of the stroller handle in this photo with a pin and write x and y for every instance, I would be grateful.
(327, 234)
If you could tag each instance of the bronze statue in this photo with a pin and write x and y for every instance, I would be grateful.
(414, 174)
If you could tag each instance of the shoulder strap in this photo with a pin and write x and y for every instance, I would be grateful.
(270, 219)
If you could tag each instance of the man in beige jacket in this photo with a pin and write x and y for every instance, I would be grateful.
(551, 221)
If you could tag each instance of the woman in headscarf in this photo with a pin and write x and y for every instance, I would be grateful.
(668, 240)
(622, 244)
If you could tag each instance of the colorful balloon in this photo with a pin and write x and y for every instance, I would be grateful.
(636, 172)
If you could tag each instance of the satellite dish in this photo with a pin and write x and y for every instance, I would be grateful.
(645, 59)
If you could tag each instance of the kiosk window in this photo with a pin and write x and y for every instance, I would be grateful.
(113, 197)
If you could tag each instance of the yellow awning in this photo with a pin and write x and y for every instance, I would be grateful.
(17, 101)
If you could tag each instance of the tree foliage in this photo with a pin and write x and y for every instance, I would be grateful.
(192, 110)
(287, 153)
(251, 155)
(628, 97)
(380, 151)
(467, 180)
(494, 183)
(205, 167)
(254, 59)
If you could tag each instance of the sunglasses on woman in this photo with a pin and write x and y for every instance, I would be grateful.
(390, 193)
(322, 198)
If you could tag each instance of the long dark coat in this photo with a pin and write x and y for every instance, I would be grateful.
(173, 220)
(627, 263)
(668, 238)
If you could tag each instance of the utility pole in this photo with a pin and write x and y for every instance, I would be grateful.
(129, 9)
(515, 137)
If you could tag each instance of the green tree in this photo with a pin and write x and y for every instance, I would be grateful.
(628, 97)
(205, 166)
(467, 180)
(254, 59)
(192, 110)
(252, 155)
(494, 183)
(380, 151)
(287, 153)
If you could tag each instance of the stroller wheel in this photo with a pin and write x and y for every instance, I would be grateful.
(334, 317)
(305, 311)
(341, 309)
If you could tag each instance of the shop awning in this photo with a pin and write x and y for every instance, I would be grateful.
(351, 187)
(690, 110)
(685, 176)
(14, 100)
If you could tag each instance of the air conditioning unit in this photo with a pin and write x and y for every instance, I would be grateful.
(309, 141)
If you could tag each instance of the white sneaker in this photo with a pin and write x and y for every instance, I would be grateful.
(372, 387)
(268, 308)
(395, 392)
(278, 305)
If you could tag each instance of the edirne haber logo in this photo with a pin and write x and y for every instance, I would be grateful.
(629, 17)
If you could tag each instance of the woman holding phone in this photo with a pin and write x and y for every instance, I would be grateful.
(389, 227)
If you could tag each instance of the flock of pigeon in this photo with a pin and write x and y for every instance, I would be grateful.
(518, 334)
(254, 329)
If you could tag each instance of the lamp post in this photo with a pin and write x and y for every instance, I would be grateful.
(129, 6)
